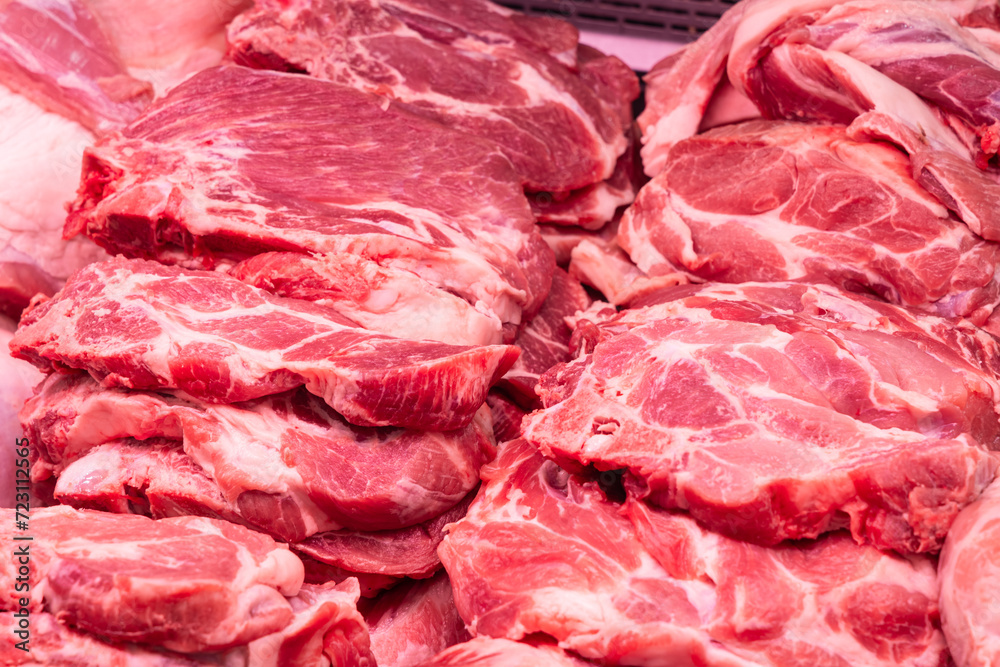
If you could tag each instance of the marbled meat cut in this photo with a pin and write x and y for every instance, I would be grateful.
(471, 65)
(969, 572)
(544, 342)
(118, 576)
(326, 627)
(543, 551)
(407, 552)
(379, 298)
(813, 205)
(287, 463)
(782, 411)
(414, 621)
(421, 199)
(905, 72)
(75, 71)
(142, 325)
(491, 652)
(823, 602)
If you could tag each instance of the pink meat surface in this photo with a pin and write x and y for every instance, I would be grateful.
(285, 463)
(371, 180)
(415, 621)
(491, 652)
(544, 342)
(812, 205)
(969, 572)
(543, 551)
(141, 325)
(187, 584)
(471, 65)
(782, 411)
(74, 71)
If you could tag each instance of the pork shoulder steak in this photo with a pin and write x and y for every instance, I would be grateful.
(543, 551)
(471, 65)
(813, 205)
(282, 162)
(782, 411)
(969, 571)
(187, 584)
(285, 463)
(142, 325)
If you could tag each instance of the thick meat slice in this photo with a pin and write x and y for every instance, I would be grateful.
(286, 463)
(152, 478)
(408, 552)
(326, 627)
(378, 298)
(74, 71)
(969, 572)
(471, 65)
(928, 84)
(141, 325)
(545, 341)
(783, 411)
(813, 205)
(543, 551)
(490, 652)
(280, 162)
(414, 621)
(18, 380)
(187, 584)
(812, 602)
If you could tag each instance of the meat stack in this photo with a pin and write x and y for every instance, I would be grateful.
(300, 362)
(315, 287)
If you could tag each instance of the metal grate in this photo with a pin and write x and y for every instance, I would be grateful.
(660, 19)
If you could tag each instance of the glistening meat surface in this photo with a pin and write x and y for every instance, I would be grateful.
(187, 584)
(286, 463)
(471, 65)
(141, 325)
(782, 411)
(813, 205)
(543, 551)
(418, 198)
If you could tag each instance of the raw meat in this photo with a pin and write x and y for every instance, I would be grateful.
(507, 415)
(414, 621)
(928, 84)
(545, 341)
(20, 280)
(378, 298)
(154, 478)
(287, 463)
(375, 181)
(471, 65)
(18, 380)
(969, 571)
(326, 627)
(138, 324)
(821, 602)
(595, 205)
(813, 205)
(408, 552)
(187, 584)
(53, 644)
(490, 652)
(543, 551)
(40, 155)
(74, 71)
(782, 411)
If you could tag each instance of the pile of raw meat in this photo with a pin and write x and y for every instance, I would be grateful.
(375, 339)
